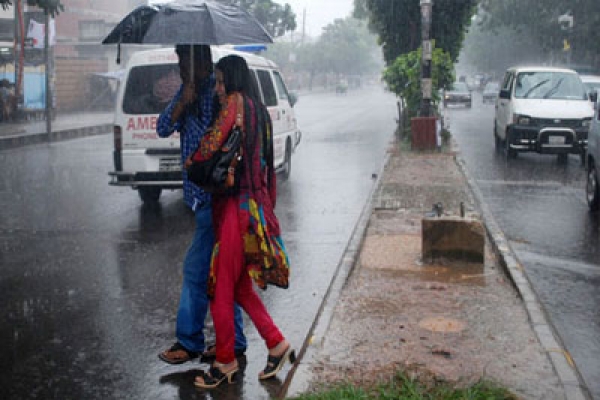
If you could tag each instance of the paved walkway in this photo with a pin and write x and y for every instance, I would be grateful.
(64, 126)
(455, 322)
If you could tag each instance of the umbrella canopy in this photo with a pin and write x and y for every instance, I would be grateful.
(188, 22)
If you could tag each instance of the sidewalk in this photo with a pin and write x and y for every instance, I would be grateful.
(64, 126)
(457, 322)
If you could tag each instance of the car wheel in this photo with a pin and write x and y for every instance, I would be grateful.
(591, 189)
(497, 140)
(508, 152)
(287, 162)
(149, 194)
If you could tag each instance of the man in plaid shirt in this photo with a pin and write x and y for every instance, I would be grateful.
(190, 113)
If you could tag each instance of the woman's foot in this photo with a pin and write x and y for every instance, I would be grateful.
(278, 355)
(216, 375)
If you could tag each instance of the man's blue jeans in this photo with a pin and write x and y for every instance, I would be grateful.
(193, 304)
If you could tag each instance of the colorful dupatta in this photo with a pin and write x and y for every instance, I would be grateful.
(265, 256)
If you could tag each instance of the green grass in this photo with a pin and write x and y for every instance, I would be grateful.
(405, 388)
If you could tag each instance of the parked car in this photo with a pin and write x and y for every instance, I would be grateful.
(459, 94)
(490, 92)
(544, 110)
(591, 82)
(592, 160)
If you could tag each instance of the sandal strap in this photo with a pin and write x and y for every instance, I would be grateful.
(272, 363)
(178, 346)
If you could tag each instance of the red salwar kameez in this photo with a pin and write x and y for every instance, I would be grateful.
(248, 243)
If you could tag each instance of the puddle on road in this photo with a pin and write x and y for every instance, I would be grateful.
(401, 254)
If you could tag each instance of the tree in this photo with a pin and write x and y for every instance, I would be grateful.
(541, 20)
(53, 7)
(403, 76)
(348, 47)
(398, 24)
(493, 52)
(276, 19)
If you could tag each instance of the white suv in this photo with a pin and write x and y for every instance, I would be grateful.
(544, 110)
(592, 160)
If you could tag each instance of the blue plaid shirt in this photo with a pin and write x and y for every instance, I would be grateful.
(191, 127)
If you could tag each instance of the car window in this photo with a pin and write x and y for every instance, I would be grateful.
(549, 85)
(256, 85)
(150, 88)
(506, 84)
(283, 93)
(460, 87)
(268, 90)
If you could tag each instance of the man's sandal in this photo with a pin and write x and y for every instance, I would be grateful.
(274, 363)
(209, 355)
(214, 377)
(177, 354)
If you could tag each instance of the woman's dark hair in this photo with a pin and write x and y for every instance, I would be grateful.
(236, 76)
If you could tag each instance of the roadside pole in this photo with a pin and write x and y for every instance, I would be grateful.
(424, 127)
(426, 50)
(47, 68)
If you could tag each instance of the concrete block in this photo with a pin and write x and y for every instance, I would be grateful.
(453, 238)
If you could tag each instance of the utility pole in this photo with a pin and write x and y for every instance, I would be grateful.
(47, 63)
(424, 127)
(426, 84)
(303, 25)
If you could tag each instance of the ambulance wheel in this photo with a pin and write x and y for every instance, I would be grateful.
(149, 194)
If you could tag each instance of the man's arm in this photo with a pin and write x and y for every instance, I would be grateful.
(170, 119)
(166, 124)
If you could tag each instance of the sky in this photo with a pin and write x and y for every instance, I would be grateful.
(319, 13)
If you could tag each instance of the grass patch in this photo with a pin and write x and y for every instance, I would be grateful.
(404, 388)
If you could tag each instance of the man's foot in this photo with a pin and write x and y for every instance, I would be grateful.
(209, 355)
(177, 354)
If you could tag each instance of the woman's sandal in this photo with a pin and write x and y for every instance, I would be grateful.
(274, 363)
(209, 355)
(214, 377)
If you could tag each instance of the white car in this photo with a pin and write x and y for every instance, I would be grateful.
(592, 160)
(544, 110)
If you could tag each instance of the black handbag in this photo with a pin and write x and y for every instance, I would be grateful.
(222, 172)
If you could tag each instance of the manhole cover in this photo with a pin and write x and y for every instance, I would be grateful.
(442, 324)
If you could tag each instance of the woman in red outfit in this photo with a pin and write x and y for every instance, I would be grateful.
(248, 242)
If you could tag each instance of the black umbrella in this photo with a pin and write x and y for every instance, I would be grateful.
(189, 22)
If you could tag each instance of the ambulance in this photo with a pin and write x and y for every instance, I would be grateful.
(148, 163)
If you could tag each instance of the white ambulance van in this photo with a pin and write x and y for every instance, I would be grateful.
(148, 163)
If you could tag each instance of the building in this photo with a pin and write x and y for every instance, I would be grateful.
(76, 58)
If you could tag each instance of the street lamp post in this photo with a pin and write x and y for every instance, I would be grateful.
(424, 127)
(426, 84)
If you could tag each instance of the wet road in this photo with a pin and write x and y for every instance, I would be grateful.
(540, 206)
(90, 277)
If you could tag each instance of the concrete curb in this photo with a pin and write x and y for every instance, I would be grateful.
(316, 335)
(20, 140)
(567, 372)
